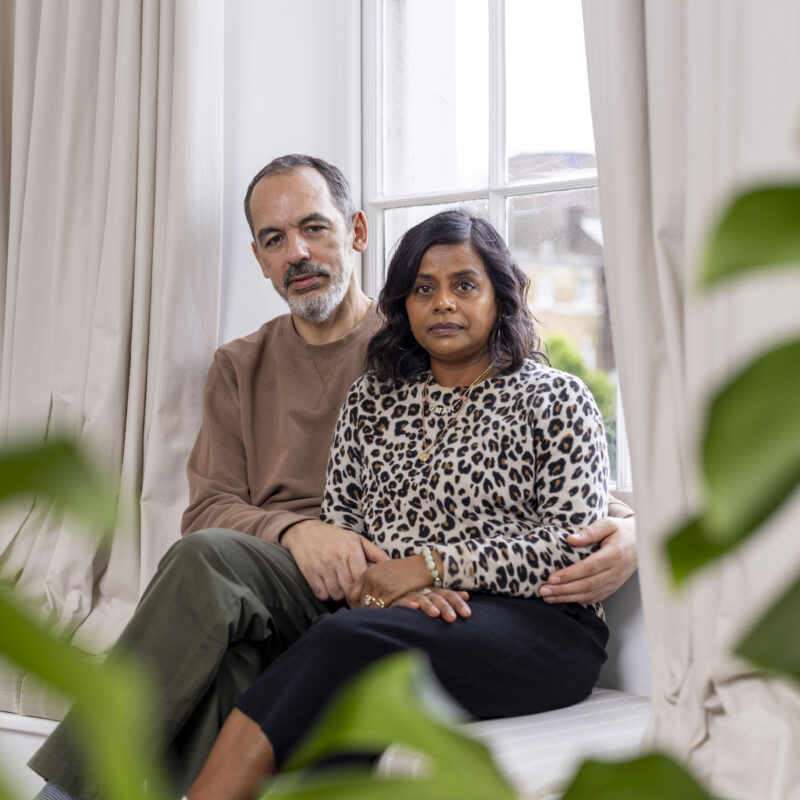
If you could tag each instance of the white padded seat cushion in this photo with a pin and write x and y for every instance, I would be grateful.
(23, 693)
(539, 753)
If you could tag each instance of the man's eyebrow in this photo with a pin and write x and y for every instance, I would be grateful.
(262, 232)
(316, 217)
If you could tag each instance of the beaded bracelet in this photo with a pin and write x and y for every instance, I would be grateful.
(429, 563)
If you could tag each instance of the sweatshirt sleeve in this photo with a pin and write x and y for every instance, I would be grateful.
(569, 487)
(342, 499)
(219, 496)
(618, 509)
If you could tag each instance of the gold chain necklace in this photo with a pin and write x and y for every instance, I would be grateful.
(425, 455)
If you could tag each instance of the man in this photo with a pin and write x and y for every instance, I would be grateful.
(260, 567)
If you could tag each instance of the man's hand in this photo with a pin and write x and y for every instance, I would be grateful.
(329, 557)
(600, 574)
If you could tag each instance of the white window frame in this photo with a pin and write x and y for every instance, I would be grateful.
(375, 202)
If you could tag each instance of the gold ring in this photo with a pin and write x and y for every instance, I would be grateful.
(426, 590)
(369, 600)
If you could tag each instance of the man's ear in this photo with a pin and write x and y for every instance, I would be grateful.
(359, 232)
(260, 262)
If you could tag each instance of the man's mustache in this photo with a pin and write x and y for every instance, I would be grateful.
(302, 268)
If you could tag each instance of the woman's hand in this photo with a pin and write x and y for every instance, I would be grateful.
(448, 604)
(389, 580)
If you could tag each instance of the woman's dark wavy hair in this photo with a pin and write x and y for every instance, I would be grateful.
(394, 353)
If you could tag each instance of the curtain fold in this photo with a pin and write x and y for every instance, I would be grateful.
(111, 279)
(692, 100)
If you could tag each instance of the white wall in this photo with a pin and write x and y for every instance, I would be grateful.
(292, 85)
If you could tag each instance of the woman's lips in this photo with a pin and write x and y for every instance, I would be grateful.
(444, 328)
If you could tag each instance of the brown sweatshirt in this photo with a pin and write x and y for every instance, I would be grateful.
(269, 410)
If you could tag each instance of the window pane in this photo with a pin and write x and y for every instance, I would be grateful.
(435, 95)
(398, 220)
(548, 120)
(556, 238)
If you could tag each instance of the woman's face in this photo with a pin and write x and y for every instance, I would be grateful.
(452, 306)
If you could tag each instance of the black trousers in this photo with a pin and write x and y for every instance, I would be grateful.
(512, 656)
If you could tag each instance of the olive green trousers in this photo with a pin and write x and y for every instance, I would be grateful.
(220, 608)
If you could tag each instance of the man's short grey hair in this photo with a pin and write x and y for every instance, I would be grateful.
(337, 183)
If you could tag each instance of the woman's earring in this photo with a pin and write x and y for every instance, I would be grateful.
(496, 331)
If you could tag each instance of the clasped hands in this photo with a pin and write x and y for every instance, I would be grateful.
(342, 565)
(406, 582)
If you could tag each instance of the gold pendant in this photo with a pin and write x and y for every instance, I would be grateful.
(423, 457)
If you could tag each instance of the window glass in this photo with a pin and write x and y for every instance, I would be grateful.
(431, 116)
(548, 120)
(398, 220)
(435, 98)
(556, 239)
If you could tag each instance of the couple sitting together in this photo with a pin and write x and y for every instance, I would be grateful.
(466, 482)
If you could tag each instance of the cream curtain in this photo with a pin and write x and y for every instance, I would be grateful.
(692, 99)
(109, 259)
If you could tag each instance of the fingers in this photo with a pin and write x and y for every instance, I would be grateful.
(587, 588)
(351, 570)
(355, 592)
(446, 604)
(372, 552)
(593, 533)
(601, 573)
(586, 568)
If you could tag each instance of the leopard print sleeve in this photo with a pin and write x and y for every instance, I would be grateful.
(566, 489)
(342, 498)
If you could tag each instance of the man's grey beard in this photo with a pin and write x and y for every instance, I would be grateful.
(320, 305)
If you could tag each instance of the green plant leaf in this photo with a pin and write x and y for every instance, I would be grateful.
(337, 784)
(751, 452)
(691, 549)
(58, 472)
(760, 229)
(651, 777)
(750, 458)
(771, 643)
(398, 701)
(6, 792)
(109, 702)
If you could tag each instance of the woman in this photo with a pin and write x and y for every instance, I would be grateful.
(469, 460)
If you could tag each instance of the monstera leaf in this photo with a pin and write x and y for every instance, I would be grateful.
(759, 230)
(110, 697)
(651, 777)
(750, 458)
(751, 445)
(394, 702)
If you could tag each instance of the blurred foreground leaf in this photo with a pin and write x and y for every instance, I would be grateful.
(772, 642)
(691, 548)
(760, 229)
(109, 697)
(750, 460)
(396, 701)
(6, 792)
(57, 471)
(651, 777)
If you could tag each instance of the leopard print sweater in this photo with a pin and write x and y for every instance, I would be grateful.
(523, 465)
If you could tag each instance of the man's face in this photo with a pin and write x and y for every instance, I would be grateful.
(303, 243)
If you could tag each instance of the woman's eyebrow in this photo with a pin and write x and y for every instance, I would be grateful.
(463, 273)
